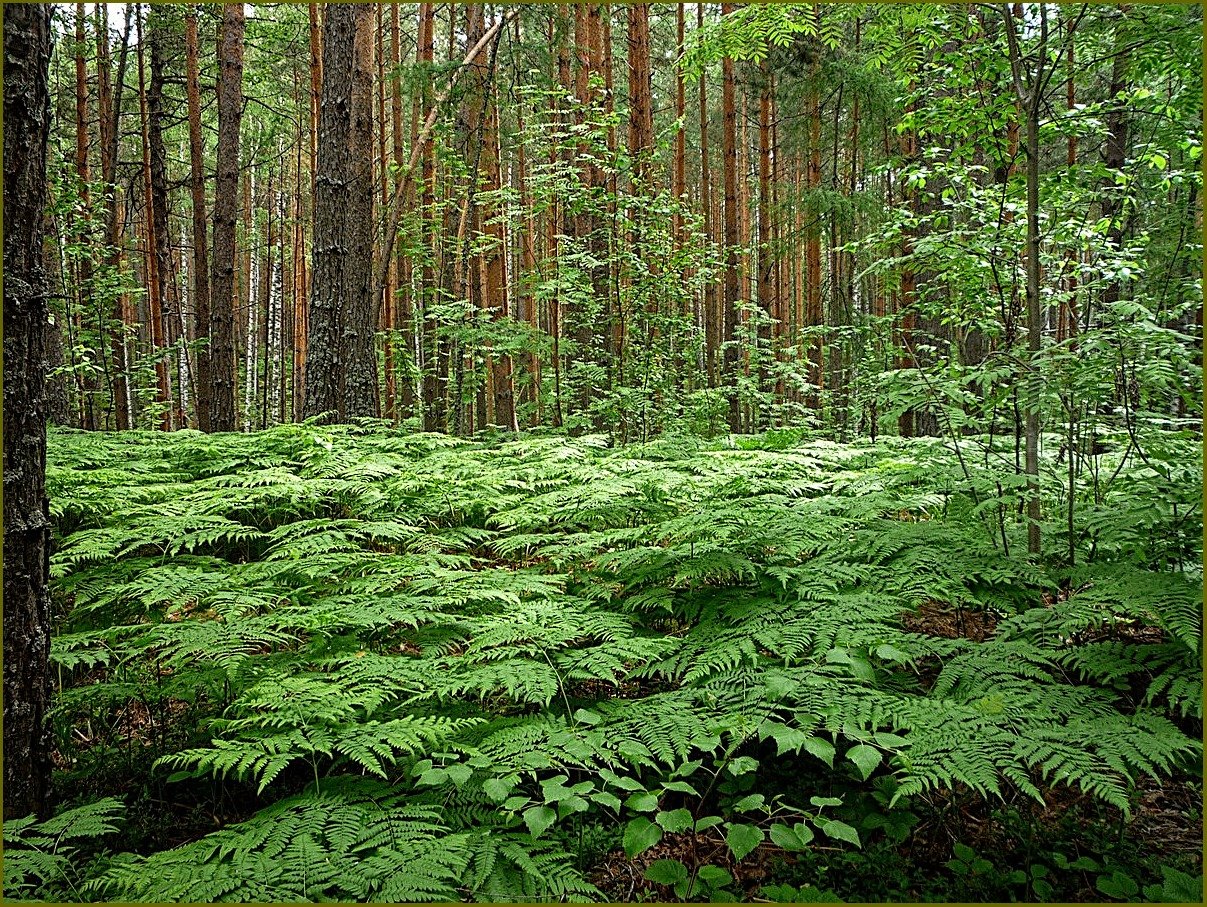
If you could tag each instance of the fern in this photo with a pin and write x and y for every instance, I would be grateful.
(435, 631)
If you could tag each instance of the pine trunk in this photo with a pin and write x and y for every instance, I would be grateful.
(27, 46)
(200, 268)
(729, 300)
(156, 214)
(226, 201)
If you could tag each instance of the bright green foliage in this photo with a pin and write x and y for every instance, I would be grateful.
(425, 660)
(44, 859)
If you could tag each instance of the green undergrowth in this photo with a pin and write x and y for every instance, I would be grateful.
(355, 664)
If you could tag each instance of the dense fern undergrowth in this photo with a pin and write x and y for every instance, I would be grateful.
(349, 663)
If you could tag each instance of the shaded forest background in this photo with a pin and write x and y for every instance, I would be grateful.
(625, 219)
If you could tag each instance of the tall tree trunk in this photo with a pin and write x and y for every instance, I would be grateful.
(200, 269)
(341, 376)
(559, 28)
(432, 391)
(226, 201)
(86, 386)
(156, 213)
(403, 272)
(907, 421)
(494, 271)
(679, 164)
(360, 360)
(729, 300)
(27, 45)
(389, 289)
(641, 114)
(528, 236)
(109, 106)
(316, 89)
(766, 257)
(814, 316)
(709, 302)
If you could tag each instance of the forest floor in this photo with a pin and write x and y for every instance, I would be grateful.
(353, 663)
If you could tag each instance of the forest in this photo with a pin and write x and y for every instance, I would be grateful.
(603, 452)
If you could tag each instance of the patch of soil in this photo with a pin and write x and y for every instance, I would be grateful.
(1169, 818)
(626, 689)
(938, 619)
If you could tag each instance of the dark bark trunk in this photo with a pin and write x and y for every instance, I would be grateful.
(109, 105)
(200, 268)
(341, 363)
(766, 258)
(87, 385)
(360, 397)
(27, 45)
(709, 302)
(432, 391)
(729, 300)
(156, 213)
(226, 200)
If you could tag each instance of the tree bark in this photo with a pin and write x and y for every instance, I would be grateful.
(766, 258)
(814, 316)
(709, 303)
(729, 300)
(27, 45)
(342, 367)
(226, 200)
(641, 114)
(200, 269)
(87, 386)
(155, 213)
(432, 392)
(109, 106)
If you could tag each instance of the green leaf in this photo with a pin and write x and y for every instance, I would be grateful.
(742, 839)
(795, 838)
(742, 765)
(822, 749)
(866, 758)
(611, 801)
(498, 788)
(714, 876)
(675, 820)
(749, 802)
(554, 790)
(640, 835)
(539, 818)
(840, 831)
(1118, 885)
(624, 783)
(687, 769)
(788, 739)
(666, 872)
(681, 787)
(643, 802)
